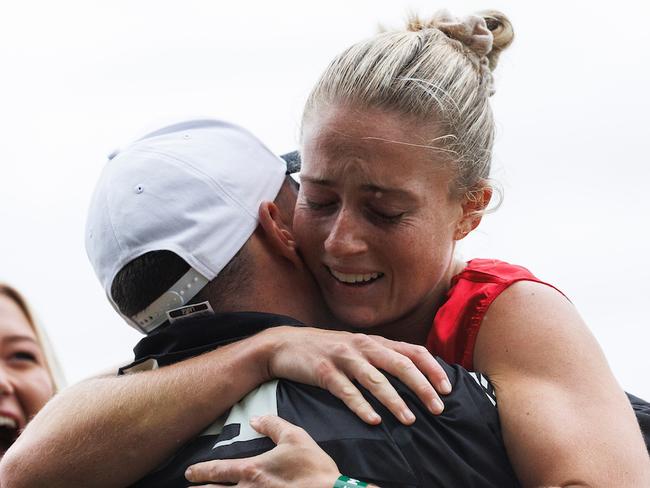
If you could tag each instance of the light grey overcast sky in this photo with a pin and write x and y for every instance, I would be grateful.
(80, 78)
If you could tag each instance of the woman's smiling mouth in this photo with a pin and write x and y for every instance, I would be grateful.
(358, 279)
(9, 430)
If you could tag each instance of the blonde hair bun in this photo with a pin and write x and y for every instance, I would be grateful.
(502, 34)
(485, 33)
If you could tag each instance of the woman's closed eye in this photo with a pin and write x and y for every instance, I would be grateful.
(24, 356)
(319, 205)
(383, 216)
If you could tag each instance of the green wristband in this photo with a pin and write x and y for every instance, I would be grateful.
(345, 482)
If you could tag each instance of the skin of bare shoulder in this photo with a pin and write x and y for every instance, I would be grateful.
(565, 419)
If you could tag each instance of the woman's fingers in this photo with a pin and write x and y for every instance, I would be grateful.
(334, 359)
(424, 361)
(417, 369)
(276, 428)
(248, 471)
(379, 386)
(357, 361)
(211, 485)
(382, 354)
(339, 385)
(221, 471)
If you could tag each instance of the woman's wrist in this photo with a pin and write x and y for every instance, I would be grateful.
(259, 353)
(265, 347)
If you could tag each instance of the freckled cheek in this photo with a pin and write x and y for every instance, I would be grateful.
(411, 255)
(310, 232)
(395, 253)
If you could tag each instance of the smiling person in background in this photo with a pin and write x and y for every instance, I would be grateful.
(26, 380)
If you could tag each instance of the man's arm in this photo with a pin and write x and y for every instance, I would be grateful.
(111, 431)
(565, 420)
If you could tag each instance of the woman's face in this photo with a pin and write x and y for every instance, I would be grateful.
(25, 383)
(375, 219)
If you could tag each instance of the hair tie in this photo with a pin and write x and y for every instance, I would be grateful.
(470, 30)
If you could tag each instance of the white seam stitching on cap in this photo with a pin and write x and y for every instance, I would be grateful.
(108, 211)
(197, 170)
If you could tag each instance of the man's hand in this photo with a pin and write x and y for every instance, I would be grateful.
(333, 359)
(296, 461)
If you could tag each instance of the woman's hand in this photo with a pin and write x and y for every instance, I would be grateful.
(333, 359)
(296, 461)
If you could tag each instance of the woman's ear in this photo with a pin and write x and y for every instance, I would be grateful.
(474, 204)
(276, 234)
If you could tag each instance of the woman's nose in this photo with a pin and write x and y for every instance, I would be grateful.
(6, 385)
(345, 237)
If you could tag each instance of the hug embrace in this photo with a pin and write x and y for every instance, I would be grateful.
(291, 329)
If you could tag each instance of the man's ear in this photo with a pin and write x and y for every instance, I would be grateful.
(276, 233)
(474, 204)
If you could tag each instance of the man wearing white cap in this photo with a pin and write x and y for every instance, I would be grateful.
(181, 226)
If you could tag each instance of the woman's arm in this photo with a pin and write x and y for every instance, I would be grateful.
(565, 420)
(111, 431)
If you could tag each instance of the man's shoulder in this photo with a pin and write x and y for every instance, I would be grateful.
(182, 339)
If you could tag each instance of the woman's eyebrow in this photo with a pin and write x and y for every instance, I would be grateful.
(316, 181)
(18, 338)
(368, 187)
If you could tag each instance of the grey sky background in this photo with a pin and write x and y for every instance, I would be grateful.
(80, 78)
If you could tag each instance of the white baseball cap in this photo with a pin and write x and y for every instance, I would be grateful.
(193, 188)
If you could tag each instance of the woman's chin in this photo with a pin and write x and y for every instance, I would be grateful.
(358, 318)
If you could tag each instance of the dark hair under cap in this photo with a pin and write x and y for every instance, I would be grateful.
(293, 161)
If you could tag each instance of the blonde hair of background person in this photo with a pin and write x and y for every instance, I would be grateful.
(29, 371)
(52, 363)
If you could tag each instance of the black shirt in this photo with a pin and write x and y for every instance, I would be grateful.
(460, 447)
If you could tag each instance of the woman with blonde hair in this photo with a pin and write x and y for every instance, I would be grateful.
(396, 151)
(28, 370)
